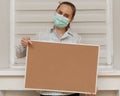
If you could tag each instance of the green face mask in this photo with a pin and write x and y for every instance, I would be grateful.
(60, 21)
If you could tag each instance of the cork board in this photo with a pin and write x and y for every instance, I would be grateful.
(62, 67)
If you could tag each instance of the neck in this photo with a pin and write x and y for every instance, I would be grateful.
(60, 31)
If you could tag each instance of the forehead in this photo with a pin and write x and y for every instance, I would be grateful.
(66, 9)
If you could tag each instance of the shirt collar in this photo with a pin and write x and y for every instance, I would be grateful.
(67, 33)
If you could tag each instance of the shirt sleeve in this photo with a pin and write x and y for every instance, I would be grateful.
(20, 51)
(79, 40)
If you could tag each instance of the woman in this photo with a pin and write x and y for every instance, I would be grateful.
(61, 33)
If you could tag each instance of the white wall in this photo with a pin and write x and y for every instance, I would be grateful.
(4, 32)
(116, 36)
(108, 85)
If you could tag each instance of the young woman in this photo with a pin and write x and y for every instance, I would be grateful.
(60, 32)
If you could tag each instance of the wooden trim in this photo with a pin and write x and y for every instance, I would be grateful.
(12, 29)
(116, 35)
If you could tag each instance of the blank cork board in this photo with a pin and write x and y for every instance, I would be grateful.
(61, 67)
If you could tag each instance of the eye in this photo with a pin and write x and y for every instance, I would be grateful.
(59, 12)
(66, 15)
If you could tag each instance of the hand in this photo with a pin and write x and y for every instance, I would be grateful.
(25, 41)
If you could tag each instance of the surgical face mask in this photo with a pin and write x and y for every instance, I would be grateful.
(60, 21)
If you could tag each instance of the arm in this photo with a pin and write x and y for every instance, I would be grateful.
(21, 49)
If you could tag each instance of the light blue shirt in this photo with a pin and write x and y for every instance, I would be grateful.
(68, 37)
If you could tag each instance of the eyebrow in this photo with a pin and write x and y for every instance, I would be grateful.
(64, 14)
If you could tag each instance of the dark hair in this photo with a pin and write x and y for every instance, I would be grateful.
(71, 5)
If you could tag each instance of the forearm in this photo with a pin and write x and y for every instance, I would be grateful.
(20, 51)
